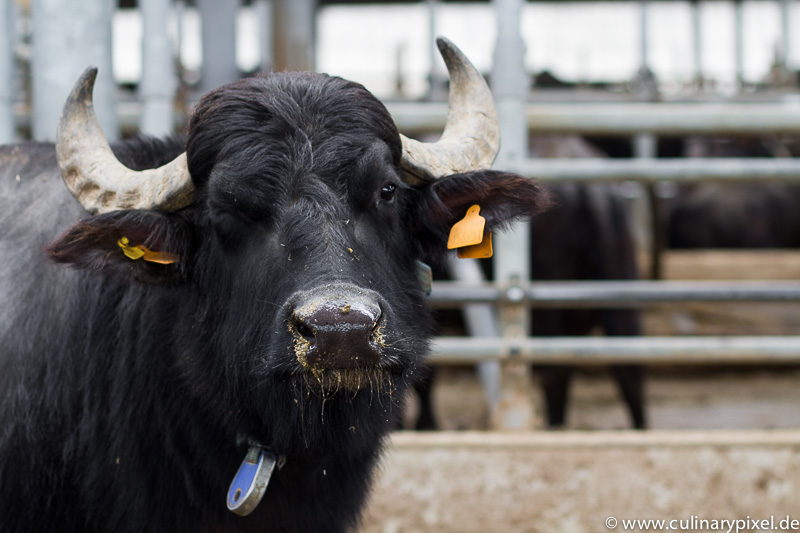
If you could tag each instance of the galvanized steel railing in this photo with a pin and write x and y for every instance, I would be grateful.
(619, 350)
(629, 118)
(650, 170)
(612, 294)
(609, 350)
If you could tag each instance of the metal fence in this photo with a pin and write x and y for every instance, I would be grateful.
(652, 118)
(504, 344)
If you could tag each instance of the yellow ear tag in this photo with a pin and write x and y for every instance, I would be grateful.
(140, 252)
(478, 251)
(131, 252)
(162, 258)
(467, 231)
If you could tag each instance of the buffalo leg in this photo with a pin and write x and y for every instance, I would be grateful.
(555, 381)
(423, 389)
(629, 378)
(426, 420)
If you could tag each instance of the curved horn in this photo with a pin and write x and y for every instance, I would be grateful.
(92, 172)
(471, 135)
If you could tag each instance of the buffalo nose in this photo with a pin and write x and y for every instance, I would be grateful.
(338, 333)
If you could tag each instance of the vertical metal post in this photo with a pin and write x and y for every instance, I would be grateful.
(399, 62)
(264, 12)
(643, 48)
(697, 43)
(157, 87)
(437, 79)
(645, 88)
(71, 35)
(645, 147)
(739, 44)
(7, 87)
(180, 12)
(218, 30)
(294, 24)
(512, 265)
(644, 84)
(510, 81)
(481, 321)
(785, 45)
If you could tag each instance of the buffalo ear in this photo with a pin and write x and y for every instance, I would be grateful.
(504, 198)
(94, 244)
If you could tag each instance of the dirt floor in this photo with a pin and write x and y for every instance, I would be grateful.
(585, 482)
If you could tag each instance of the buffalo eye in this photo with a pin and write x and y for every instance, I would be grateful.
(387, 192)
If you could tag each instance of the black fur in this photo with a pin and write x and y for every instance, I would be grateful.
(126, 384)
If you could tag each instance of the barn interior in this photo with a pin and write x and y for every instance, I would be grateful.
(670, 128)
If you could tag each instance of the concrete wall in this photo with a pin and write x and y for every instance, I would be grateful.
(574, 481)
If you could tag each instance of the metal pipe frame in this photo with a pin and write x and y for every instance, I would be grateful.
(158, 83)
(738, 36)
(510, 83)
(70, 36)
(218, 27)
(574, 294)
(649, 170)
(626, 118)
(618, 350)
(7, 88)
(610, 119)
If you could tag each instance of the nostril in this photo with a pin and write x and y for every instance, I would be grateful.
(376, 335)
(303, 329)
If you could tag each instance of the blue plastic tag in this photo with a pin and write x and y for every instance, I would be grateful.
(251, 480)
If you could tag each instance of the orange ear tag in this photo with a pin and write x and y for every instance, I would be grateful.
(467, 231)
(140, 252)
(478, 251)
(162, 258)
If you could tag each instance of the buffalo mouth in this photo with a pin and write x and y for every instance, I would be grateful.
(345, 368)
(331, 381)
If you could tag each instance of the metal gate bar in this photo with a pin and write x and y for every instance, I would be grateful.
(618, 350)
(627, 118)
(610, 119)
(615, 293)
(683, 169)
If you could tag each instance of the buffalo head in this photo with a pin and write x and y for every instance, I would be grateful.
(296, 220)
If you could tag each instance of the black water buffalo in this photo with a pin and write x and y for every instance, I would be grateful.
(253, 301)
(734, 215)
(598, 247)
